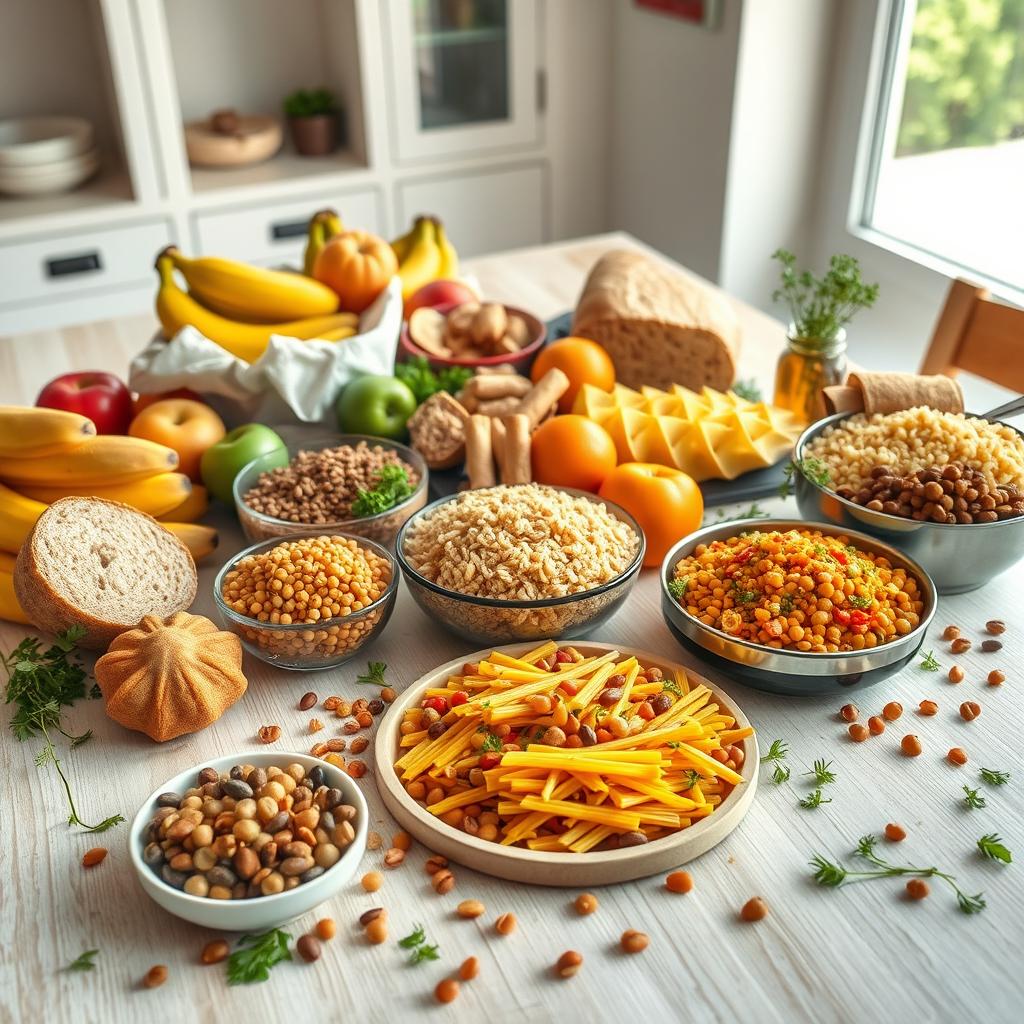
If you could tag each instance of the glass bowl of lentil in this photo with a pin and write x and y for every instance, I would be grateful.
(293, 500)
(772, 639)
(479, 538)
(316, 643)
(960, 556)
(256, 913)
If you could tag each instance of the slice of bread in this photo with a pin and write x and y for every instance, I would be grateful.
(103, 566)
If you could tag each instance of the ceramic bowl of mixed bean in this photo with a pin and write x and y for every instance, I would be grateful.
(307, 602)
(946, 489)
(319, 488)
(249, 841)
(794, 607)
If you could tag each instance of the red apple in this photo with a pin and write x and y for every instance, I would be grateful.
(100, 396)
(440, 293)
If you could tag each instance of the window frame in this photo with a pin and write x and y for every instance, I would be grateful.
(883, 104)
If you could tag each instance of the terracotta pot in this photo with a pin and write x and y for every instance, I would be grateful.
(316, 135)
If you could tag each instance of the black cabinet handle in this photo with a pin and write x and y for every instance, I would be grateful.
(289, 229)
(64, 266)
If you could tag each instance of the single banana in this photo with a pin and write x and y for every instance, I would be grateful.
(449, 269)
(26, 432)
(18, 515)
(252, 294)
(337, 335)
(401, 245)
(154, 495)
(7, 560)
(9, 607)
(420, 267)
(192, 508)
(105, 461)
(200, 540)
(323, 226)
(176, 309)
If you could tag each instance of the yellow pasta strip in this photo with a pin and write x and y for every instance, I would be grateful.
(599, 752)
(701, 760)
(591, 839)
(545, 650)
(550, 783)
(523, 785)
(605, 815)
(657, 738)
(728, 736)
(592, 781)
(627, 687)
(589, 690)
(507, 661)
(660, 793)
(469, 796)
(584, 764)
(546, 844)
(570, 835)
(656, 815)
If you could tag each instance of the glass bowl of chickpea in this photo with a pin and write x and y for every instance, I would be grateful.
(308, 601)
(796, 608)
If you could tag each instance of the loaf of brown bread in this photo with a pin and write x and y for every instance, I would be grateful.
(659, 326)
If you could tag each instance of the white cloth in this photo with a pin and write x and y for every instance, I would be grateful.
(292, 382)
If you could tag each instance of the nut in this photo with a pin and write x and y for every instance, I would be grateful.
(435, 863)
(155, 976)
(443, 881)
(307, 700)
(848, 712)
(505, 924)
(956, 674)
(94, 856)
(960, 645)
(331, 703)
(470, 909)
(950, 632)
(754, 910)
(990, 646)
(568, 964)
(315, 725)
(995, 626)
(633, 941)
(269, 733)
(371, 915)
(393, 857)
(969, 710)
(996, 678)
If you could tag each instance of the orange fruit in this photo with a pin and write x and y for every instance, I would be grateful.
(572, 451)
(581, 360)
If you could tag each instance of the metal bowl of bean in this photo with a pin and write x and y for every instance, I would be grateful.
(229, 887)
(795, 608)
(285, 621)
(963, 546)
(320, 487)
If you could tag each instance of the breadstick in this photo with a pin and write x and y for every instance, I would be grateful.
(548, 390)
(515, 466)
(498, 406)
(497, 385)
(479, 458)
(498, 438)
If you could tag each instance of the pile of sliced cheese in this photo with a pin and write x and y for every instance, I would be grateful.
(708, 434)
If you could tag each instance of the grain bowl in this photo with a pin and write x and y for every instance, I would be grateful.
(325, 472)
(520, 563)
(337, 619)
(766, 660)
(960, 555)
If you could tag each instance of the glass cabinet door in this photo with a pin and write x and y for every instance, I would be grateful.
(464, 73)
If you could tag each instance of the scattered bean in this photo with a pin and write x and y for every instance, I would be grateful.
(447, 990)
(956, 756)
(928, 708)
(469, 968)
(917, 889)
(569, 964)
(585, 903)
(996, 678)
(950, 632)
(356, 769)
(633, 941)
(956, 674)
(858, 733)
(388, 695)
(505, 924)
(679, 881)
(876, 725)
(372, 881)
(849, 712)
(892, 711)
(969, 710)
(377, 930)
(371, 915)
(989, 646)
(754, 909)
(214, 952)
(401, 840)
(393, 857)
(325, 929)
(960, 645)
(995, 626)
(470, 908)
(910, 745)
(435, 863)
(94, 856)
(895, 833)
(307, 700)
(155, 976)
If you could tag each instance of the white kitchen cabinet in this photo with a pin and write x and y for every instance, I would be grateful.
(465, 76)
(487, 210)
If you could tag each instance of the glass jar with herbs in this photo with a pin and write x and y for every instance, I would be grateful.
(820, 308)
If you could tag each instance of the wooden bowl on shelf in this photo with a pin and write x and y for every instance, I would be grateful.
(253, 140)
(557, 869)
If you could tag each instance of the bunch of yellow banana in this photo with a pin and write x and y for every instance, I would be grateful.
(47, 454)
(425, 254)
(239, 306)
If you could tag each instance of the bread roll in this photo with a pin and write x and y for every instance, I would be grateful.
(659, 326)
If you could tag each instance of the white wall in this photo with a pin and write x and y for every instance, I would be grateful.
(671, 110)
(775, 144)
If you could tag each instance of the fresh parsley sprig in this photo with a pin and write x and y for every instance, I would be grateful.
(832, 875)
(84, 961)
(973, 798)
(391, 487)
(992, 847)
(374, 674)
(777, 754)
(815, 799)
(677, 588)
(930, 662)
(810, 468)
(421, 949)
(823, 774)
(424, 382)
(994, 778)
(255, 955)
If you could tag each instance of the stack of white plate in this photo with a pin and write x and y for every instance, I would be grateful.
(43, 155)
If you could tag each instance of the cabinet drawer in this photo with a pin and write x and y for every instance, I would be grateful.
(277, 233)
(31, 271)
(483, 211)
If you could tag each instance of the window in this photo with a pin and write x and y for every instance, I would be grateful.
(945, 174)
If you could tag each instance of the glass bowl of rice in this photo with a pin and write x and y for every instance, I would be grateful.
(523, 562)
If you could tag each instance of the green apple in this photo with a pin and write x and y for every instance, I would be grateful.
(376, 405)
(223, 461)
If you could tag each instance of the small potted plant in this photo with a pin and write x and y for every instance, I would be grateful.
(313, 120)
(819, 308)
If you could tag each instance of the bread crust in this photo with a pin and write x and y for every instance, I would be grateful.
(659, 326)
(49, 610)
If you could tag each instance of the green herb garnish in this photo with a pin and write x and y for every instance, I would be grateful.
(416, 938)
(748, 389)
(374, 674)
(492, 743)
(811, 468)
(392, 486)
(417, 942)
(746, 596)
(994, 778)
(424, 382)
(256, 955)
(678, 587)
(973, 798)
(777, 754)
(815, 799)
(992, 847)
(780, 774)
(84, 962)
(930, 663)
(424, 952)
(859, 602)
(833, 875)
(693, 778)
(671, 686)
(823, 775)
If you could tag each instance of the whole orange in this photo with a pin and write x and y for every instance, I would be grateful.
(358, 266)
(666, 502)
(572, 451)
(179, 423)
(581, 360)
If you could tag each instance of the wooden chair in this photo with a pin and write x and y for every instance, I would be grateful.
(979, 335)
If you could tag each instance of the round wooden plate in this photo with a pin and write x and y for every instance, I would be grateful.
(534, 866)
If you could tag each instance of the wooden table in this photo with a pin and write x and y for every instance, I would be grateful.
(862, 952)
